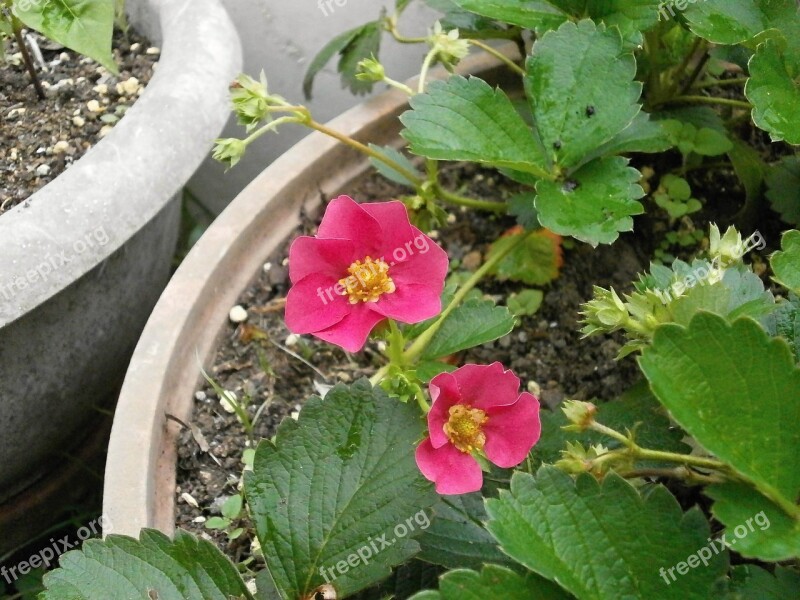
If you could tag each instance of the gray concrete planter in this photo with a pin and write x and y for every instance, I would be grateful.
(192, 313)
(85, 260)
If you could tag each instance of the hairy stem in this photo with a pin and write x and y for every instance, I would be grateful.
(16, 26)
(499, 55)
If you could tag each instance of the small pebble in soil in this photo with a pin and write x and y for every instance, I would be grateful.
(200, 396)
(292, 339)
(228, 400)
(238, 314)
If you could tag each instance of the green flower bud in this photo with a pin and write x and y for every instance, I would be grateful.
(727, 249)
(580, 414)
(251, 100)
(229, 151)
(370, 69)
(451, 49)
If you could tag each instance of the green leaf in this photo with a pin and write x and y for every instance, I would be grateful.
(580, 83)
(726, 22)
(754, 526)
(493, 582)
(390, 173)
(536, 261)
(339, 480)
(537, 15)
(405, 581)
(749, 167)
(737, 392)
(85, 26)
(749, 582)
(217, 523)
(457, 537)
(232, 507)
(427, 370)
(525, 303)
(642, 135)
(774, 91)
(523, 207)
(473, 323)
(353, 45)
(689, 138)
(122, 567)
(595, 204)
(465, 119)
(783, 188)
(602, 541)
(785, 322)
(636, 410)
(786, 262)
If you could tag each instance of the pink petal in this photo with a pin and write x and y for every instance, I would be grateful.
(485, 386)
(453, 471)
(396, 228)
(309, 255)
(352, 331)
(311, 305)
(512, 431)
(410, 303)
(345, 219)
(444, 394)
(425, 263)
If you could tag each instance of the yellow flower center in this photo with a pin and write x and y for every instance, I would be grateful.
(464, 428)
(367, 281)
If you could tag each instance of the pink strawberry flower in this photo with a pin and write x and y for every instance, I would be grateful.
(367, 263)
(476, 409)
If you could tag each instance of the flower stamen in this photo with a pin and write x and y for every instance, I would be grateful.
(464, 428)
(367, 281)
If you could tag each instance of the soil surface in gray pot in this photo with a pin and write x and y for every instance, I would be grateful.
(41, 138)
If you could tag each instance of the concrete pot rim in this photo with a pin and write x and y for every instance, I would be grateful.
(123, 182)
(185, 326)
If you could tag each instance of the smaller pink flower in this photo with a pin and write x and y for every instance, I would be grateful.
(477, 408)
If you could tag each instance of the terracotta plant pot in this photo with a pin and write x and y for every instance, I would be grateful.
(86, 258)
(192, 313)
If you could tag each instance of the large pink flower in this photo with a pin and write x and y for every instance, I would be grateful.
(477, 408)
(366, 263)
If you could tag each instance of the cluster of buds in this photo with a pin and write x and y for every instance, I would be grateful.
(576, 459)
(251, 100)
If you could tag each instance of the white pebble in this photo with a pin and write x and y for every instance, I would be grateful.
(78, 121)
(200, 396)
(187, 497)
(128, 87)
(101, 88)
(60, 147)
(534, 388)
(105, 130)
(136, 47)
(201, 519)
(63, 57)
(43, 170)
(228, 400)
(295, 415)
(93, 106)
(267, 267)
(238, 314)
(292, 339)
(152, 50)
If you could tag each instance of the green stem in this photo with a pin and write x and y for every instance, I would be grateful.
(698, 69)
(397, 85)
(721, 83)
(459, 200)
(499, 55)
(418, 347)
(426, 65)
(390, 24)
(16, 26)
(422, 401)
(710, 100)
(270, 126)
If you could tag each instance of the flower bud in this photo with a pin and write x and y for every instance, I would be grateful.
(251, 101)
(229, 151)
(370, 69)
(580, 414)
(451, 49)
(727, 249)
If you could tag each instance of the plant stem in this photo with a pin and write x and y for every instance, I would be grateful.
(499, 55)
(426, 65)
(390, 24)
(397, 85)
(269, 127)
(697, 70)
(16, 26)
(721, 83)
(418, 347)
(711, 100)
(687, 475)
(412, 177)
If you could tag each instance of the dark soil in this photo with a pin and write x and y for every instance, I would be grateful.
(39, 139)
(545, 351)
